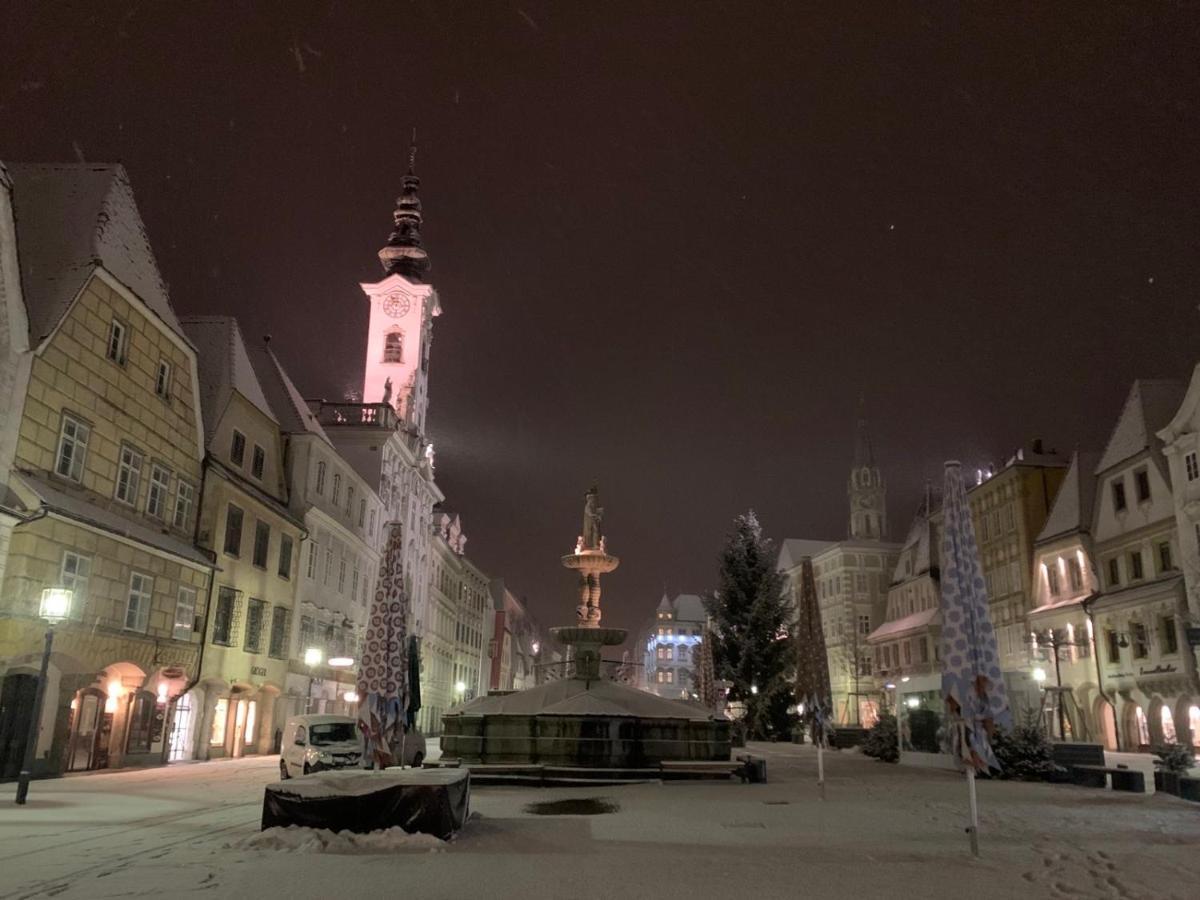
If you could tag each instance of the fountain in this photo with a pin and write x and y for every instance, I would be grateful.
(585, 719)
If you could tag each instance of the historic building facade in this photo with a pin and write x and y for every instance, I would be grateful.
(669, 643)
(104, 430)
(246, 524)
(517, 646)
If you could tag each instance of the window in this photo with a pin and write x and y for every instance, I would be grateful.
(328, 564)
(262, 543)
(141, 716)
(1164, 556)
(237, 448)
(1170, 638)
(1114, 572)
(923, 647)
(1135, 565)
(350, 500)
(393, 347)
(1112, 646)
(233, 530)
(118, 342)
(74, 577)
(362, 512)
(354, 581)
(129, 475)
(137, 610)
(223, 616)
(285, 556)
(307, 632)
(1009, 519)
(670, 676)
(1191, 466)
(255, 610)
(1141, 481)
(320, 478)
(984, 533)
(312, 560)
(162, 380)
(683, 652)
(160, 488)
(184, 497)
(1118, 491)
(1075, 573)
(220, 714)
(258, 461)
(864, 625)
(185, 614)
(908, 653)
(342, 576)
(72, 448)
(371, 525)
(1141, 640)
(279, 631)
(336, 497)
(1052, 578)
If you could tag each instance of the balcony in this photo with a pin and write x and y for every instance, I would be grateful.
(374, 415)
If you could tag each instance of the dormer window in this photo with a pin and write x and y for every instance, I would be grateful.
(118, 342)
(393, 347)
(1141, 479)
(1118, 493)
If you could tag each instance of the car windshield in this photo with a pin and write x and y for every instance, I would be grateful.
(332, 733)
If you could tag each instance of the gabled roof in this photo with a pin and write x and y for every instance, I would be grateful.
(1182, 420)
(70, 218)
(291, 412)
(919, 542)
(689, 608)
(793, 550)
(224, 367)
(1151, 404)
(1072, 509)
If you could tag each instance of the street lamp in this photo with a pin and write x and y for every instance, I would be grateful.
(312, 658)
(1054, 641)
(54, 607)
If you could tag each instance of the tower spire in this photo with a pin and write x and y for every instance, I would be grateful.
(403, 252)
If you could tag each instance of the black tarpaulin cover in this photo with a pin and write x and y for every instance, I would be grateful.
(430, 801)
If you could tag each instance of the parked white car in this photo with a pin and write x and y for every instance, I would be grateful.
(314, 743)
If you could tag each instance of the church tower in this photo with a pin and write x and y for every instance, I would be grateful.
(868, 493)
(403, 307)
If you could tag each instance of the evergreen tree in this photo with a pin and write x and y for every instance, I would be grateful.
(751, 647)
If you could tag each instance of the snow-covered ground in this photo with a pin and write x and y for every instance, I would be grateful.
(883, 831)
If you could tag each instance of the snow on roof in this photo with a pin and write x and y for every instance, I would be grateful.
(224, 366)
(1151, 404)
(689, 608)
(70, 218)
(83, 510)
(577, 697)
(291, 412)
(1058, 604)
(909, 623)
(793, 550)
(919, 544)
(1072, 509)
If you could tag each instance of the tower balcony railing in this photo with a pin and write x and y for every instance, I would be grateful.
(376, 415)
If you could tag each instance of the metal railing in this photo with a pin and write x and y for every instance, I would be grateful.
(610, 669)
(378, 415)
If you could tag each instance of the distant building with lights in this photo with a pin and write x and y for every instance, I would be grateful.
(668, 645)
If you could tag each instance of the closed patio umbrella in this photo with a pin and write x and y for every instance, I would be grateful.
(383, 675)
(972, 684)
(812, 668)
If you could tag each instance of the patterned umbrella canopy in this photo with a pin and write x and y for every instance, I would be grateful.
(812, 664)
(972, 684)
(383, 675)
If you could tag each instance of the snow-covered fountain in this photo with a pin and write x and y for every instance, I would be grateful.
(584, 718)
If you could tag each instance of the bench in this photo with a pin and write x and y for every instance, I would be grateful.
(1086, 765)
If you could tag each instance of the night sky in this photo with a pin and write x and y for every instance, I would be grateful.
(674, 243)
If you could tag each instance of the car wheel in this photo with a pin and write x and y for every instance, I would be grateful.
(417, 760)
(283, 772)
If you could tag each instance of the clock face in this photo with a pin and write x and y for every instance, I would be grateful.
(396, 305)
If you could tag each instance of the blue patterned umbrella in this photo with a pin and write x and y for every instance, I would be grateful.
(383, 674)
(972, 684)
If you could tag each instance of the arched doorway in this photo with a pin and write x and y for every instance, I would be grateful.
(1193, 712)
(1166, 724)
(1137, 728)
(91, 728)
(1106, 722)
(17, 694)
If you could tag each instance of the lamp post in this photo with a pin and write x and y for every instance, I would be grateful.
(54, 607)
(312, 658)
(1054, 641)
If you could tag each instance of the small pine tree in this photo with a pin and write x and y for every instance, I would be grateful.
(1025, 752)
(750, 645)
(882, 741)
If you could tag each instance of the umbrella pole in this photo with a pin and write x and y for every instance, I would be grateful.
(973, 828)
(821, 768)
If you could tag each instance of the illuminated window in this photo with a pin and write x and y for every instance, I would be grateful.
(1143, 727)
(1075, 573)
(1052, 578)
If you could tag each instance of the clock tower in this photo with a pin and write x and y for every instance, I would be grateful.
(403, 307)
(867, 491)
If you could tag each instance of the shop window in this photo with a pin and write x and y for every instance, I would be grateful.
(220, 715)
(141, 721)
(1170, 637)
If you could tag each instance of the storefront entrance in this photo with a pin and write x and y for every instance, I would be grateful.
(181, 730)
(91, 727)
(17, 694)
